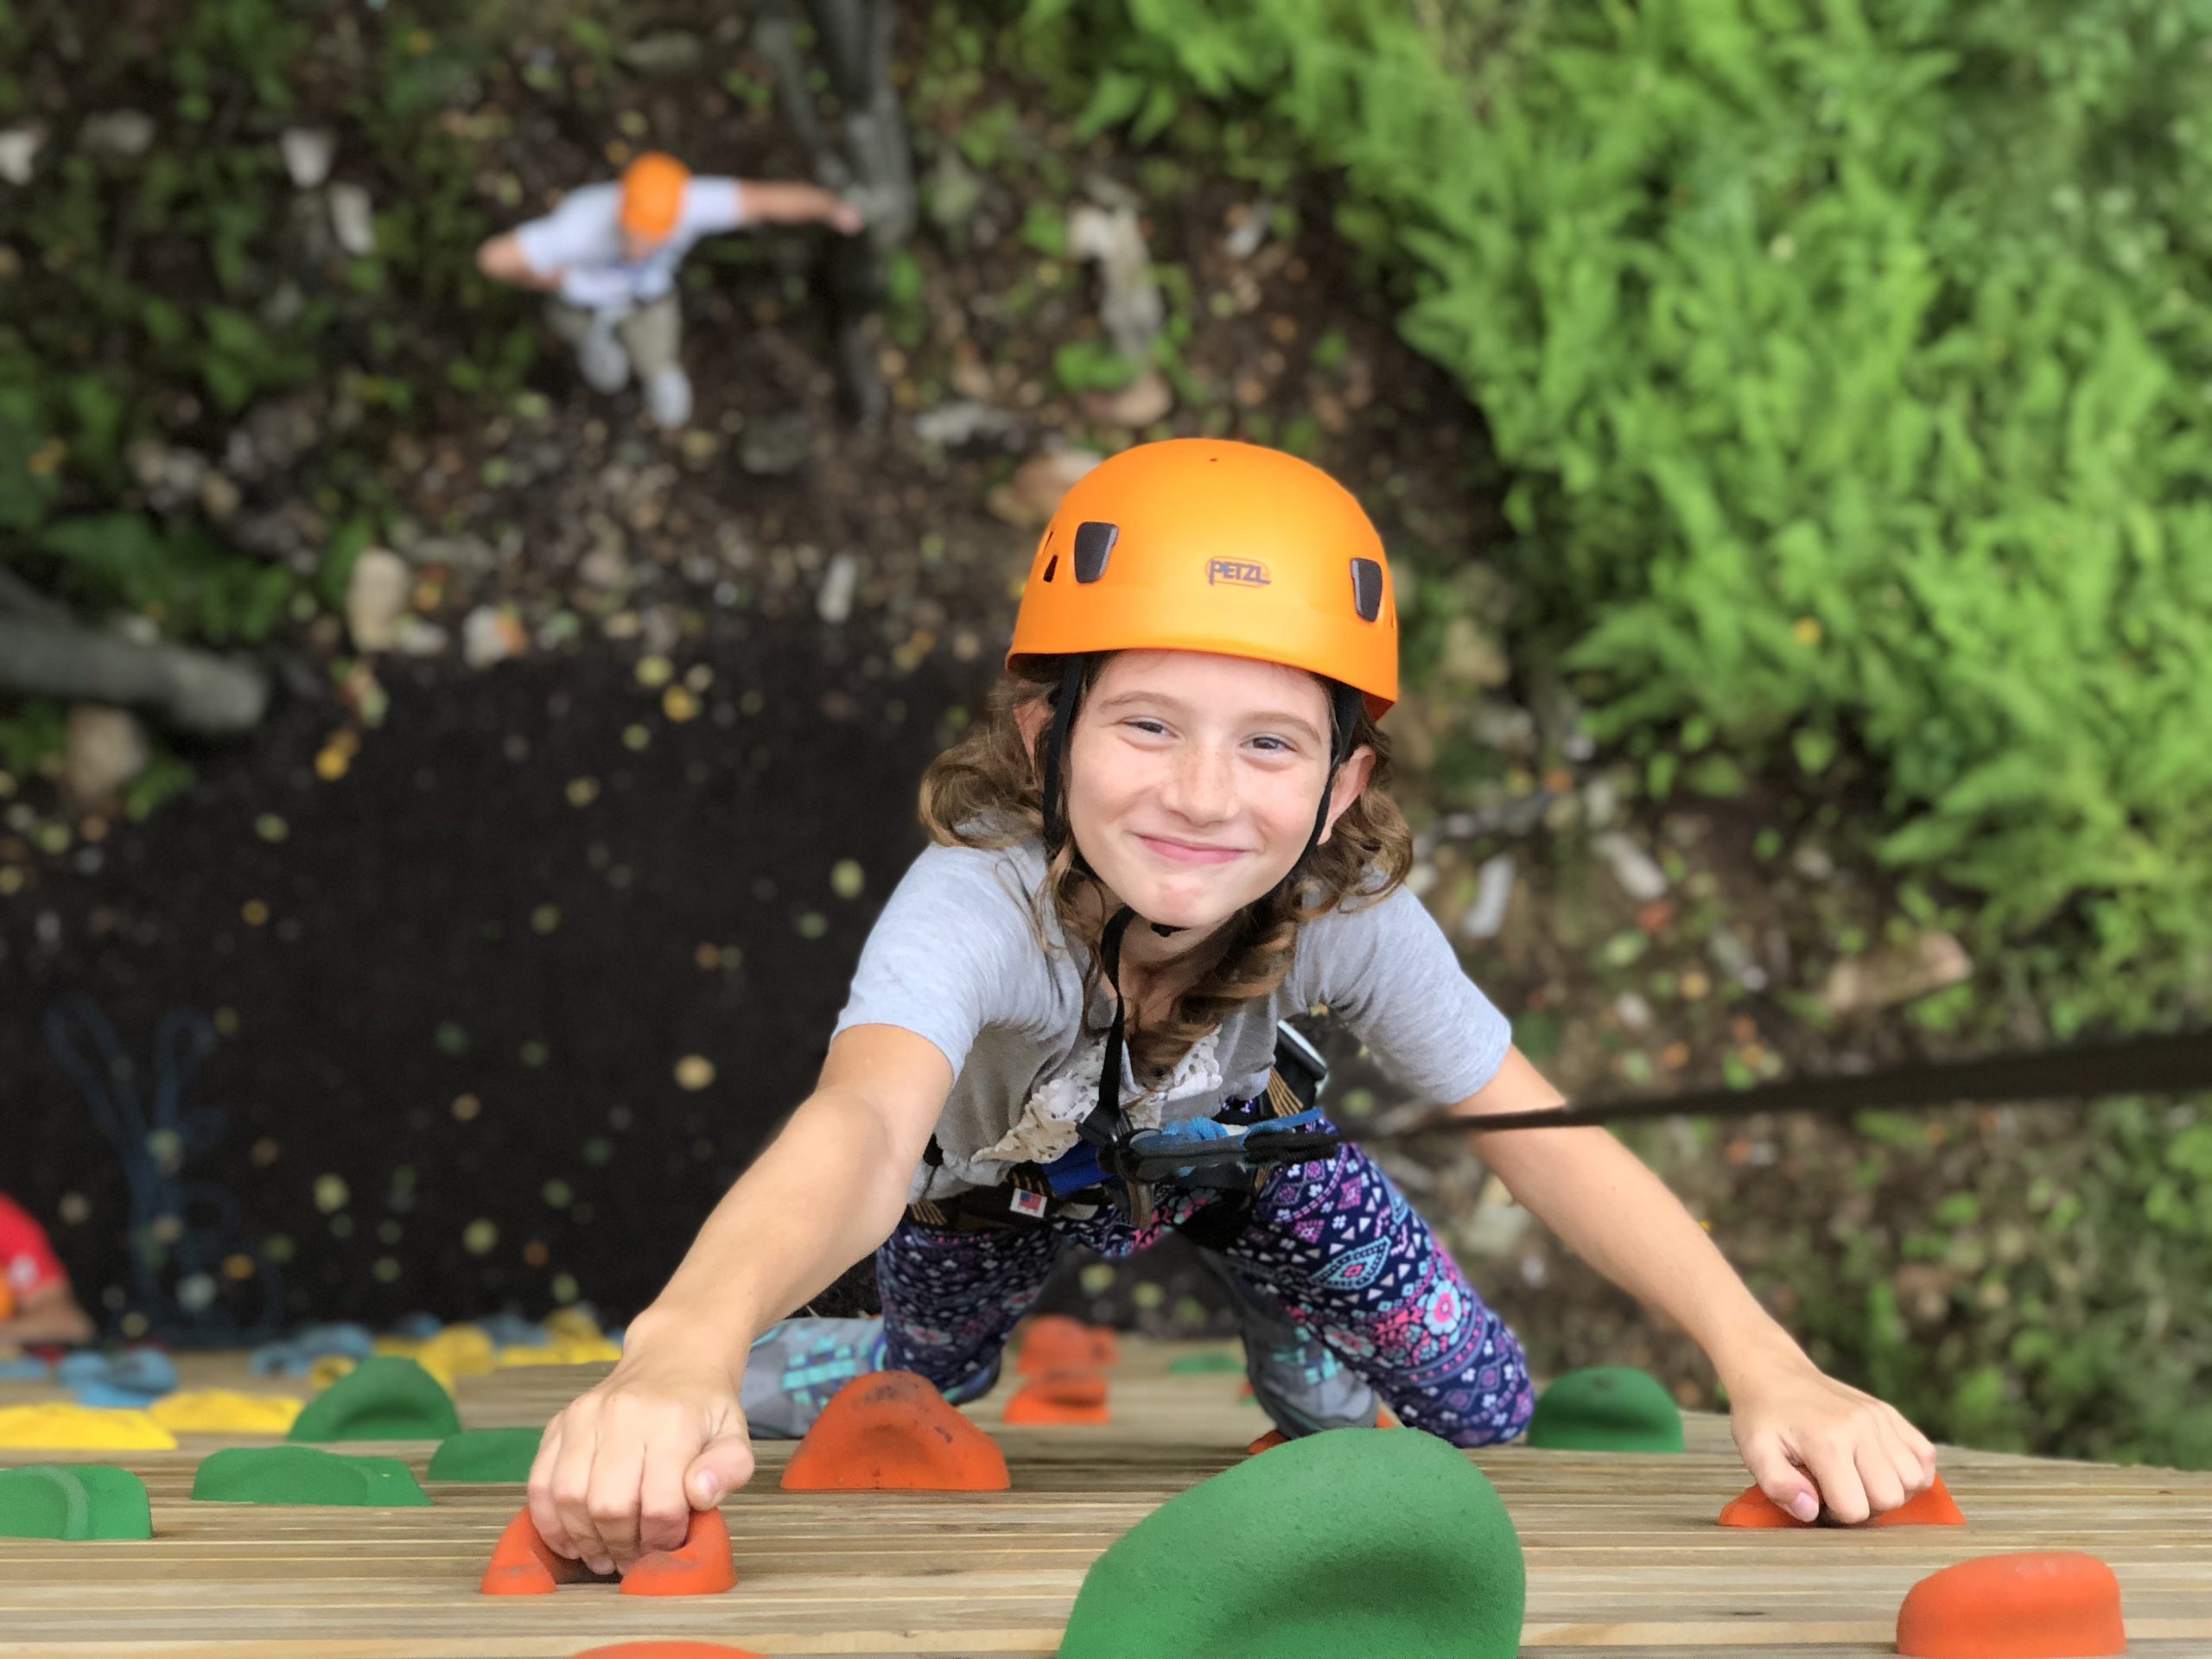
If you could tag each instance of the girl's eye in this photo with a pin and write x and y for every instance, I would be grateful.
(1152, 726)
(1276, 745)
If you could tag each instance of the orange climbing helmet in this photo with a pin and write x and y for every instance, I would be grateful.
(652, 195)
(1203, 544)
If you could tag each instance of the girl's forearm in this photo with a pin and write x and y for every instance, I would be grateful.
(1621, 1219)
(826, 1192)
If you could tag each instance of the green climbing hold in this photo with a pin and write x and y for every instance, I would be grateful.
(381, 1399)
(486, 1454)
(73, 1501)
(1358, 1540)
(1606, 1409)
(303, 1474)
(1205, 1364)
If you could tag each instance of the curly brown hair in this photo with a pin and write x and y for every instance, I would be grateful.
(985, 792)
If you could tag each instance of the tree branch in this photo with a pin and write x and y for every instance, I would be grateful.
(195, 691)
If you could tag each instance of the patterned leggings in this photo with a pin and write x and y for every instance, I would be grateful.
(1332, 1243)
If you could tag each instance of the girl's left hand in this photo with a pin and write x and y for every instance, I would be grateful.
(1810, 1441)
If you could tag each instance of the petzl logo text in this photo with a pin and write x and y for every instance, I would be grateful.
(1245, 573)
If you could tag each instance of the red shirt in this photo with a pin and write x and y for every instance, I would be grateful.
(26, 1260)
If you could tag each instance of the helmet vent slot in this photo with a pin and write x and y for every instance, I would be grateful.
(1094, 541)
(1366, 589)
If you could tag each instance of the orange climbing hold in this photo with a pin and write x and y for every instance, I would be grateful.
(1068, 1396)
(700, 1566)
(1933, 1508)
(523, 1564)
(1276, 1437)
(667, 1650)
(2035, 1604)
(892, 1432)
(1053, 1342)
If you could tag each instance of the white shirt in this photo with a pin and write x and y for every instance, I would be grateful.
(581, 239)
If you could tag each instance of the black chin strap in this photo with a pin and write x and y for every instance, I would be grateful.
(1103, 1126)
(1344, 726)
(1056, 748)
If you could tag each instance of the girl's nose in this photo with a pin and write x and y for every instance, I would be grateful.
(1203, 787)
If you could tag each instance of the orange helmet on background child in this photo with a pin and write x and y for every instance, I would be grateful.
(652, 195)
(1204, 545)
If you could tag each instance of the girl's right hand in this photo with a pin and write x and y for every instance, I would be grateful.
(620, 1471)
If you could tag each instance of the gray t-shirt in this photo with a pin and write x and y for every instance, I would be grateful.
(962, 956)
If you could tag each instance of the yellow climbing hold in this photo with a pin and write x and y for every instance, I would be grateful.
(225, 1411)
(327, 1369)
(81, 1429)
(573, 1323)
(457, 1350)
(562, 1351)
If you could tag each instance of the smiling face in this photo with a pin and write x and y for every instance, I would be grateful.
(1193, 779)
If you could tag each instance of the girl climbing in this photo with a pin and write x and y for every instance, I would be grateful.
(1172, 830)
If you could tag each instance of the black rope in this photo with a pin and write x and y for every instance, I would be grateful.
(2175, 1063)
(1056, 748)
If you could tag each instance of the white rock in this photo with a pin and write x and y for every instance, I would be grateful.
(834, 600)
(1811, 860)
(1640, 877)
(219, 497)
(376, 595)
(1632, 1011)
(103, 750)
(490, 635)
(1144, 400)
(1029, 498)
(1131, 308)
(308, 153)
(964, 420)
(413, 637)
(125, 134)
(19, 148)
(1243, 241)
(353, 220)
(1485, 917)
(1891, 974)
(1601, 802)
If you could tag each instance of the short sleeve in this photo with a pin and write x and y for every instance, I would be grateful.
(952, 952)
(574, 233)
(1388, 971)
(711, 206)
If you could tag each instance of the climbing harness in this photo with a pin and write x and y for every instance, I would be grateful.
(1235, 1150)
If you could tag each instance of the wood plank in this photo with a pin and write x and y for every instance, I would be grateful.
(1622, 1556)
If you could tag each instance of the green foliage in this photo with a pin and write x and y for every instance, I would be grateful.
(189, 582)
(1091, 365)
(2069, 1271)
(1849, 360)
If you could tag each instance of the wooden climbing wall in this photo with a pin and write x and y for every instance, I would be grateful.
(1624, 1558)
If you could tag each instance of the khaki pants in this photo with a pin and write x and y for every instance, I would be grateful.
(651, 332)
